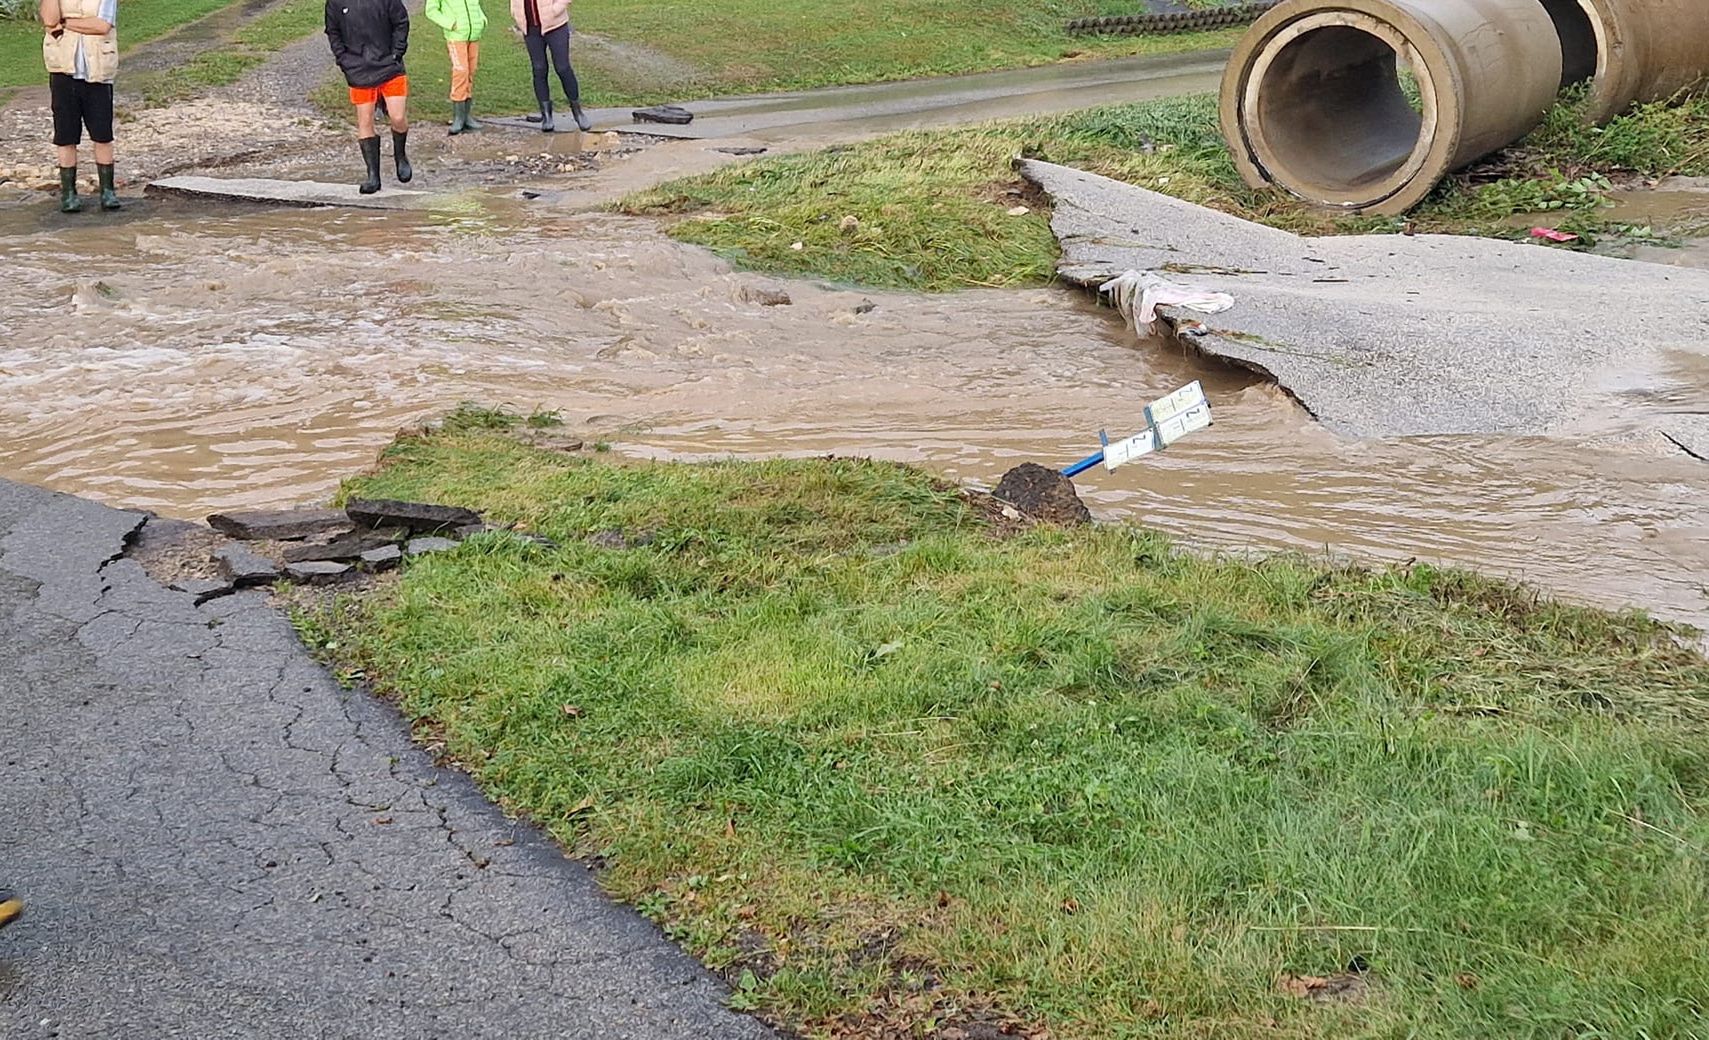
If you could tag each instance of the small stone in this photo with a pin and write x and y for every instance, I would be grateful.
(382, 559)
(420, 517)
(849, 223)
(609, 539)
(317, 572)
(1019, 211)
(797, 246)
(1042, 493)
(865, 307)
(279, 525)
(245, 568)
(422, 546)
(766, 296)
(470, 531)
(202, 590)
(348, 547)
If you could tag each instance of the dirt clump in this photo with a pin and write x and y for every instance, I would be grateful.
(1043, 494)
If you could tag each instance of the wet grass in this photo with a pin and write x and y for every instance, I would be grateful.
(933, 205)
(891, 773)
(139, 22)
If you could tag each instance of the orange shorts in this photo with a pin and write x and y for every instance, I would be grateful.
(397, 86)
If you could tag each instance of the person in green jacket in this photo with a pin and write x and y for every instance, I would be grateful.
(464, 22)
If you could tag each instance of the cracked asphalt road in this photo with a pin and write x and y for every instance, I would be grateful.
(215, 840)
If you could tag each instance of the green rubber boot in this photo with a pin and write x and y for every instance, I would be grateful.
(459, 117)
(109, 194)
(469, 120)
(68, 200)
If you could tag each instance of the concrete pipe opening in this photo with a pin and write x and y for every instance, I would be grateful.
(1330, 108)
(1366, 105)
(1578, 24)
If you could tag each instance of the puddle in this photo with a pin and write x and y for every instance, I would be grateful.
(214, 358)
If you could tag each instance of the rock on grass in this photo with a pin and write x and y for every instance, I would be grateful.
(1043, 494)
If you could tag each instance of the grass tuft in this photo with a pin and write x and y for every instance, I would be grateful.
(891, 773)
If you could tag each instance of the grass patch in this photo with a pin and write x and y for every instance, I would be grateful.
(891, 773)
(249, 46)
(933, 211)
(139, 22)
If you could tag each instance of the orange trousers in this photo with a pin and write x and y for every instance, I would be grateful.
(464, 58)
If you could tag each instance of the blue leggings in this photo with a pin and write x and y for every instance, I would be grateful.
(558, 43)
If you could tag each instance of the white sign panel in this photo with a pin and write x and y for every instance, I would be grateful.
(1168, 420)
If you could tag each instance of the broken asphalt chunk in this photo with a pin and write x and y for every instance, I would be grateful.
(245, 568)
(348, 547)
(279, 525)
(317, 572)
(382, 559)
(419, 517)
(204, 589)
(423, 546)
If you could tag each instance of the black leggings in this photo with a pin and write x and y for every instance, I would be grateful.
(558, 42)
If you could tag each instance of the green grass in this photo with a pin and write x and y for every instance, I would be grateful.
(889, 772)
(139, 22)
(933, 205)
(743, 46)
(252, 44)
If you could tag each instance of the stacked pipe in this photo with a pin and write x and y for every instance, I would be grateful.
(1200, 20)
(1314, 102)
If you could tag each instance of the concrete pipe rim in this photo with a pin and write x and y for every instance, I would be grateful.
(1609, 94)
(1394, 181)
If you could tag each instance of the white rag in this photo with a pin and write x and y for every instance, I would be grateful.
(1138, 295)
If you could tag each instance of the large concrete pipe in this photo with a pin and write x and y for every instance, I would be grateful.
(1632, 50)
(1313, 99)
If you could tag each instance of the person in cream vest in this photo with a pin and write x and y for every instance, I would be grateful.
(80, 46)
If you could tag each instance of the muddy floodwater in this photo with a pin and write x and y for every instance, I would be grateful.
(191, 358)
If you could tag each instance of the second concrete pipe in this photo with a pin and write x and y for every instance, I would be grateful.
(1313, 100)
(1632, 50)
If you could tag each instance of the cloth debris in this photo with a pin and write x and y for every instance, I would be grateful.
(1138, 294)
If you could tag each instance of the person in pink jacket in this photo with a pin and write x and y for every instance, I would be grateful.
(545, 28)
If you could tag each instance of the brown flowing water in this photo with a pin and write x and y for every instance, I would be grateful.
(188, 359)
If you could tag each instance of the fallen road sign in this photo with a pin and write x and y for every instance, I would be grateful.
(1167, 420)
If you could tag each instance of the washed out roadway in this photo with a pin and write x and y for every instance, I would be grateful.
(216, 840)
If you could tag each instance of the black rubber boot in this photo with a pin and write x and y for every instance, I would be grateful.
(109, 194)
(371, 156)
(400, 152)
(68, 200)
(469, 120)
(582, 120)
(547, 123)
(459, 117)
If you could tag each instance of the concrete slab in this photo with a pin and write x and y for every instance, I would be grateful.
(1396, 336)
(289, 193)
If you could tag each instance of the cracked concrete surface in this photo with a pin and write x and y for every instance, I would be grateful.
(1413, 335)
(215, 840)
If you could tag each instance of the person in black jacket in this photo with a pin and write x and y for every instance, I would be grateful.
(369, 38)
